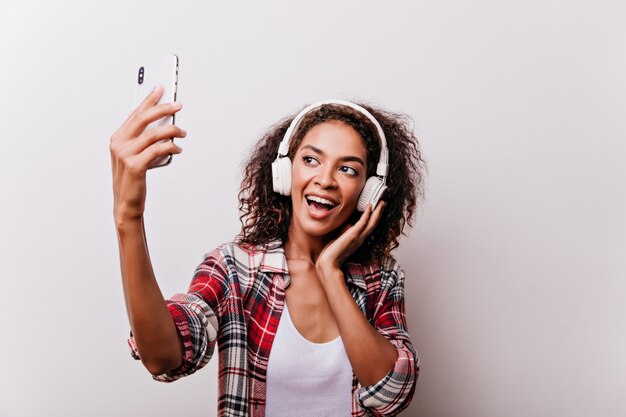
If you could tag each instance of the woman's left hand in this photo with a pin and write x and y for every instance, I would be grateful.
(338, 250)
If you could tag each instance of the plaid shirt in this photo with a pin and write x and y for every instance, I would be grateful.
(236, 299)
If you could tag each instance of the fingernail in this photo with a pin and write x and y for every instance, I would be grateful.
(183, 132)
(157, 87)
(177, 104)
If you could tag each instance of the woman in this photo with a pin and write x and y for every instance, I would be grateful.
(309, 279)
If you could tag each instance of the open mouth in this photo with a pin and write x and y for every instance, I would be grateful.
(320, 204)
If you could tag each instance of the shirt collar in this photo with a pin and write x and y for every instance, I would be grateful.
(274, 260)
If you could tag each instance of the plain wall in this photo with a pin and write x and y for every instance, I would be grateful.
(515, 270)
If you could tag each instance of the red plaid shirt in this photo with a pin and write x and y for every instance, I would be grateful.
(236, 299)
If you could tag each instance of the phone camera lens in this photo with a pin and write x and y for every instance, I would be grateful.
(140, 76)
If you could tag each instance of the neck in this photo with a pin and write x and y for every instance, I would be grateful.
(299, 246)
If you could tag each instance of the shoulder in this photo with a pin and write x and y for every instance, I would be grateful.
(390, 265)
(243, 260)
(385, 273)
(386, 266)
(234, 250)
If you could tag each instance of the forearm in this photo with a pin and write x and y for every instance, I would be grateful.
(156, 337)
(371, 355)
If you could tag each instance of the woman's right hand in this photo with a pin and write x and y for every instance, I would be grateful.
(133, 148)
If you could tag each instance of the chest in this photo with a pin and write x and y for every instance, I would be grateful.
(253, 316)
(308, 306)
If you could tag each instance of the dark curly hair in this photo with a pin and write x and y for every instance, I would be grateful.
(266, 215)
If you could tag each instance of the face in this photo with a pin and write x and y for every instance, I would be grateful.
(329, 172)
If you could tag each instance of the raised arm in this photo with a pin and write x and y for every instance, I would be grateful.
(133, 148)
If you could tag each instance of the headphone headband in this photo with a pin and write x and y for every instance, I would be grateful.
(383, 162)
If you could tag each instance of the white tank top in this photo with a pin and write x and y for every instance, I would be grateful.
(304, 378)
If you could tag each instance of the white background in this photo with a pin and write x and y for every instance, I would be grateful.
(515, 293)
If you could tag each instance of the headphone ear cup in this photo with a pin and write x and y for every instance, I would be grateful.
(373, 190)
(281, 176)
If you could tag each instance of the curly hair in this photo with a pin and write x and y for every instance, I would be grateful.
(265, 215)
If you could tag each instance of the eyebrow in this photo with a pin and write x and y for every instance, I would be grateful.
(344, 158)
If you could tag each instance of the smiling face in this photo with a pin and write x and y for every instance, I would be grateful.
(329, 172)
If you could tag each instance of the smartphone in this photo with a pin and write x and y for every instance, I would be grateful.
(162, 71)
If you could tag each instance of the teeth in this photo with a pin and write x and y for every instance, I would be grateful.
(321, 200)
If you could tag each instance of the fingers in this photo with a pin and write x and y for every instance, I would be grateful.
(152, 143)
(149, 101)
(152, 98)
(362, 222)
(147, 112)
(368, 220)
(154, 135)
(139, 121)
(371, 219)
(351, 237)
(141, 162)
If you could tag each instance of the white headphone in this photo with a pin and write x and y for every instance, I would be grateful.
(374, 187)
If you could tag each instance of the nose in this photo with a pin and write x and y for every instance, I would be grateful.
(325, 177)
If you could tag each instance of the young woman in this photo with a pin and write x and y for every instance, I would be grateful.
(306, 306)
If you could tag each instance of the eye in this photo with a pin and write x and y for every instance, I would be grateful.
(309, 160)
(350, 170)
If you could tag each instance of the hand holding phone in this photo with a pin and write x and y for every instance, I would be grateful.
(134, 148)
(164, 72)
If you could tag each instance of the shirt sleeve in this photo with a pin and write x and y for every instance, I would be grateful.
(394, 392)
(196, 316)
